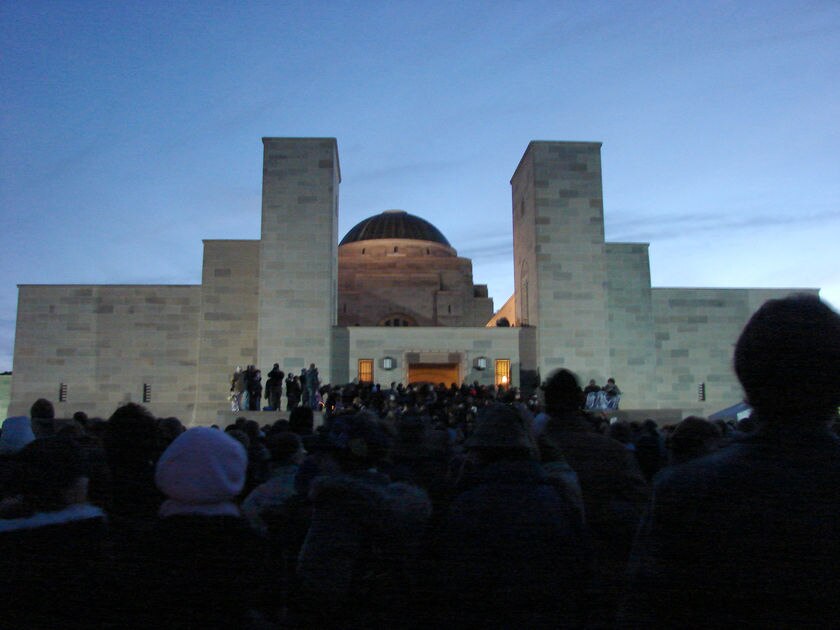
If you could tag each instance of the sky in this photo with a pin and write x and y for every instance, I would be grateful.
(131, 131)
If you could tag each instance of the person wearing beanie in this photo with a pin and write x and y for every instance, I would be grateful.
(201, 472)
(513, 545)
(748, 535)
(201, 565)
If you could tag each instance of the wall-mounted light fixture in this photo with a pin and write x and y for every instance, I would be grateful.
(389, 363)
(480, 363)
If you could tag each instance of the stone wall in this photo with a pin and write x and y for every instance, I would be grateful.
(508, 311)
(104, 343)
(298, 279)
(227, 322)
(632, 352)
(695, 333)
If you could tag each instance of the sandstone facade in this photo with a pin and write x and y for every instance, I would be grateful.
(391, 304)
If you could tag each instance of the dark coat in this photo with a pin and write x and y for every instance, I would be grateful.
(356, 564)
(650, 454)
(293, 392)
(512, 552)
(194, 571)
(614, 497)
(51, 569)
(748, 536)
(614, 491)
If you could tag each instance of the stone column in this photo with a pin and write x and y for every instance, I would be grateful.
(298, 254)
(559, 256)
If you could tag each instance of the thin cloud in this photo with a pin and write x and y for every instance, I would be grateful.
(673, 226)
(490, 247)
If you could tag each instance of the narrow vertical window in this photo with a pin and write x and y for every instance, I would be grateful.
(503, 372)
(366, 370)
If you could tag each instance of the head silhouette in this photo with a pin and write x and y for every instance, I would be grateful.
(788, 360)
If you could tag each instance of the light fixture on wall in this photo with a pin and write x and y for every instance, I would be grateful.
(480, 363)
(389, 363)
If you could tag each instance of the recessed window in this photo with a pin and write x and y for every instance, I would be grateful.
(503, 372)
(366, 370)
(396, 249)
(397, 319)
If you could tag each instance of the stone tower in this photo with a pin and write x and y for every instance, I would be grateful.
(298, 273)
(559, 256)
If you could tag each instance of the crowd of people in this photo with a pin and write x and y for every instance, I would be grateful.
(246, 389)
(440, 506)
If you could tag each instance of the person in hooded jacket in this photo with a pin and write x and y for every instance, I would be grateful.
(513, 546)
(356, 564)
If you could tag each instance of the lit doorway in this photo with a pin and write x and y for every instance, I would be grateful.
(446, 373)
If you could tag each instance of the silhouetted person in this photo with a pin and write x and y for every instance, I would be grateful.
(51, 541)
(749, 536)
(42, 414)
(274, 387)
(512, 551)
(132, 447)
(692, 438)
(614, 491)
(200, 565)
(650, 450)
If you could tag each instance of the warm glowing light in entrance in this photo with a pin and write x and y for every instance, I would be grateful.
(366, 370)
(502, 372)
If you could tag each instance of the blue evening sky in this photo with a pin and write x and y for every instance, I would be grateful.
(129, 131)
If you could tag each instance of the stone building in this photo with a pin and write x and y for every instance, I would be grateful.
(391, 302)
(395, 269)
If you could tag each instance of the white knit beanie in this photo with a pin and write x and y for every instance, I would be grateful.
(17, 433)
(202, 466)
